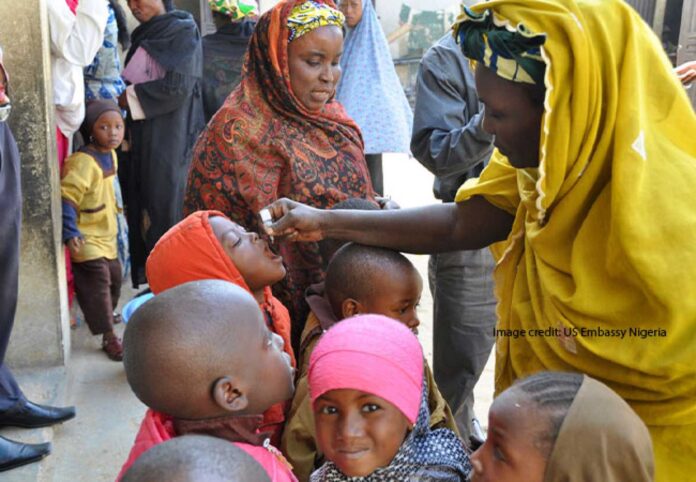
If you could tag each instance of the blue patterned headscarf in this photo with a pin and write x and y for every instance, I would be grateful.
(370, 90)
(423, 449)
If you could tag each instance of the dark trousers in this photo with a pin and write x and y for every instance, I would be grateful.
(10, 224)
(98, 287)
(374, 165)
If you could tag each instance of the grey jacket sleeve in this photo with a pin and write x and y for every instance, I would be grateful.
(447, 135)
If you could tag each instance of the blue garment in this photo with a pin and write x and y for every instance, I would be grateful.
(104, 159)
(10, 226)
(370, 89)
(134, 304)
(70, 229)
(103, 76)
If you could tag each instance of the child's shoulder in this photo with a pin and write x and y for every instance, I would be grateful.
(86, 161)
(271, 459)
(80, 160)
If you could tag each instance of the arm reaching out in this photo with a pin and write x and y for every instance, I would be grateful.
(473, 224)
(686, 72)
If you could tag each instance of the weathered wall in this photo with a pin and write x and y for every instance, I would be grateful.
(41, 332)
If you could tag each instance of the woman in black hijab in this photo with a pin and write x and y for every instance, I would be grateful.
(164, 68)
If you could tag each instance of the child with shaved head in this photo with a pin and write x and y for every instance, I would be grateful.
(208, 245)
(202, 358)
(196, 458)
(359, 280)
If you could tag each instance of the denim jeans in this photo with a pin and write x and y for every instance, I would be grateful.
(463, 321)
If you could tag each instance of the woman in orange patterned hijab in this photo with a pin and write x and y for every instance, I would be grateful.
(281, 134)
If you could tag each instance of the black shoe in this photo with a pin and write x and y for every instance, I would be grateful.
(33, 415)
(15, 454)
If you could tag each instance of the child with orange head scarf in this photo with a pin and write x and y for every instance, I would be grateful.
(207, 245)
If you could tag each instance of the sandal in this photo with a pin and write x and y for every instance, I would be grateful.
(117, 318)
(113, 348)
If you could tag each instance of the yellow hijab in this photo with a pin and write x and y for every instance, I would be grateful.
(604, 236)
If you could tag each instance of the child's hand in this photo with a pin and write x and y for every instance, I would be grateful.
(386, 203)
(75, 244)
(686, 72)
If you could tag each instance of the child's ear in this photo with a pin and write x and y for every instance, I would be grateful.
(350, 307)
(228, 395)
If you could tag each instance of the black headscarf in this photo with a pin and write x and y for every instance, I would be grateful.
(171, 39)
(93, 111)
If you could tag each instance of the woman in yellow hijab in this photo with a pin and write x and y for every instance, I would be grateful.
(589, 199)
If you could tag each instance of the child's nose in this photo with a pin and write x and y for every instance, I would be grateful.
(415, 321)
(351, 425)
(477, 465)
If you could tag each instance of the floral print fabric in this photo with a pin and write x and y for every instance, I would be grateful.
(263, 145)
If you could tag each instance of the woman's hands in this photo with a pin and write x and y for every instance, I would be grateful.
(295, 221)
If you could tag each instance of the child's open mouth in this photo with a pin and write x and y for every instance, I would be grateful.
(271, 254)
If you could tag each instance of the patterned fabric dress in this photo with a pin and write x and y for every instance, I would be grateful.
(103, 76)
(263, 144)
(370, 89)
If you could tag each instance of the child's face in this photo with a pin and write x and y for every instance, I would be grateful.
(358, 431)
(257, 264)
(271, 375)
(353, 11)
(108, 131)
(396, 294)
(511, 454)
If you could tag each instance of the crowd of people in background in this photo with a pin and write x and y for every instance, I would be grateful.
(238, 176)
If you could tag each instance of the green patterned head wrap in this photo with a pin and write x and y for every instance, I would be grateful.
(512, 54)
(235, 9)
(311, 15)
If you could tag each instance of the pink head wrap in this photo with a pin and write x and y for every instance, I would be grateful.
(373, 354)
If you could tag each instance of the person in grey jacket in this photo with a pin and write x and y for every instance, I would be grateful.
(449, 141)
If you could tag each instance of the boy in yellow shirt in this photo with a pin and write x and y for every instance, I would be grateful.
(89, 221)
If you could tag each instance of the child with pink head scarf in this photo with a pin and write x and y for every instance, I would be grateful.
(370, 407)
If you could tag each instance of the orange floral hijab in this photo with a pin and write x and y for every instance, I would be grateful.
(263, 145)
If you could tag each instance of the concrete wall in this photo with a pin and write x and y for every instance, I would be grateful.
(41, 331)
